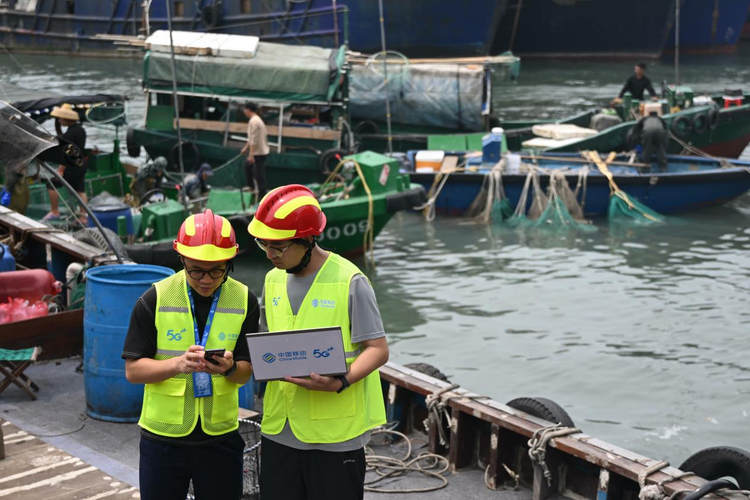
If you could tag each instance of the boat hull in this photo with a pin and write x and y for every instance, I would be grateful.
(710, 27)
(417, 28)
(667, 193)
(567, 28)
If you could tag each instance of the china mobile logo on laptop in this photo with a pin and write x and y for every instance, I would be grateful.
(269, 358)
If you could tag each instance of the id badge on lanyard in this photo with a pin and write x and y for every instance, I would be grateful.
(202, 385)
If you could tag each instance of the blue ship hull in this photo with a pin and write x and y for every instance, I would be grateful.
(710, 26)
(585, 29)
(418, 28)
(691, 183)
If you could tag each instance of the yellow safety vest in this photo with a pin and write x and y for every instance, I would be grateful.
(316, 416)
(169, 407)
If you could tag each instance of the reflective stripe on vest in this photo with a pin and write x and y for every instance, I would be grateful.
(169, 407)
(315, 416)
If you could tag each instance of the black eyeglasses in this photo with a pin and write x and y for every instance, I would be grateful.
(277, 252)
(198, 274)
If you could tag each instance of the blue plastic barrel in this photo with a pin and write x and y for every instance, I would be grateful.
(7, 261)
(111, 294)
(108, 215)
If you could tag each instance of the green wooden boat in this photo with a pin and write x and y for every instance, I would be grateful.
(703, 123)
(350, 211)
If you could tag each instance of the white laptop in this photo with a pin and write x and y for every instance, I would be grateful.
(297, 353)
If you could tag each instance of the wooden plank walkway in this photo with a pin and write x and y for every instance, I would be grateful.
(32, 469)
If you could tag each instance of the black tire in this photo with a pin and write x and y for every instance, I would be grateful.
(134, 149)
(681, 127)
(212, 16)
(713, 118)
(191, 157)
(152, 196)
(543, 408)
(158, 254)
(700, 123)
(428, 369)
(720, 461)
(366, 127)
(330, 159)
(92, 236)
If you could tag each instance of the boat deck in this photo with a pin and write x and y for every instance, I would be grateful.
(113, 448)
(33, 469)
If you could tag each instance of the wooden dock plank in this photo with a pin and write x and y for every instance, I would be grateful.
(33, 469)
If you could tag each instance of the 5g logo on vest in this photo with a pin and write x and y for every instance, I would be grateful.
(322, 354)
(172, 335)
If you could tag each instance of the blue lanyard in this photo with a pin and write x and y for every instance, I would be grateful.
(198, 340)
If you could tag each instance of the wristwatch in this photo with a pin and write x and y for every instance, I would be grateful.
(344, 383)
(231, 370)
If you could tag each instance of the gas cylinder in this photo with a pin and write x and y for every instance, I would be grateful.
(31, 285)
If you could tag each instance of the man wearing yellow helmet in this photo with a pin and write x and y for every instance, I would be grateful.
(314, 429)
(190, 403)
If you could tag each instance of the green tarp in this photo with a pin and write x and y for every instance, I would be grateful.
(279, 72)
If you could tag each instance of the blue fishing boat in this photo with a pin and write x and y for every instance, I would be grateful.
(689, 183)
(416, 28)
(583, 29)
(710, 27)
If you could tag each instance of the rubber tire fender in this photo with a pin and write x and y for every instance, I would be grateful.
(543, 408)
(681, 127)
(191, 157)
(430, 370)
(134, 149)
(329, 160)
(212, 15)
(148, 194)
(366, 127)
(700, 123)
(713, 118)
(720, 461)
(92, 236)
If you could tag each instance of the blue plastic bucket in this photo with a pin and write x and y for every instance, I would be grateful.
(108, 215)
(111, 294)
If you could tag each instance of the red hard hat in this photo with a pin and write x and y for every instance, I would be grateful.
(288, 212)
(206, 237)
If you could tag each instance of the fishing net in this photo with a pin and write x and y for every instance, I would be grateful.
(625, 210)
(559, 210)
(491, 204)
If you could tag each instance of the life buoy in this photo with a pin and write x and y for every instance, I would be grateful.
(700, 123)
(543, 408)
(713, 118)
(720, 461)
(191, 157)
(212, 15)
(134, 149)
(681, 127)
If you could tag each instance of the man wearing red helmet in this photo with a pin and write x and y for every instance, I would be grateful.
(314, 429)
(190, 402)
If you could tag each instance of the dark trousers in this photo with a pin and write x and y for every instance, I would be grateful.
(290, 474)
(215, 468)
(655, 142)
(256, 171)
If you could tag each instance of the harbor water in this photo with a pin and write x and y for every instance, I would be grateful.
(638, 333)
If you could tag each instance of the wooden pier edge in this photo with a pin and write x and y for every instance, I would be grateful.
(489, 434)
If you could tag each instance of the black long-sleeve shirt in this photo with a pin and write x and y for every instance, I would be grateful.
(636, 87)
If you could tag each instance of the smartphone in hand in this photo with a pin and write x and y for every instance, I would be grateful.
(209, 354)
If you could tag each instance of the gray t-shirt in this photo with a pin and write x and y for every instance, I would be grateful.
(366, 324)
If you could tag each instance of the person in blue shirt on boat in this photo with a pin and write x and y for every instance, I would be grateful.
(195, 184)
(637, 85)
(651, 133)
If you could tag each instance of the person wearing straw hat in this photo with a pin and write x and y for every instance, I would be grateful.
(185, 342)
(68, 117)
(314, 429)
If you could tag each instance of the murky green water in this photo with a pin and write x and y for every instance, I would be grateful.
(640, 334)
